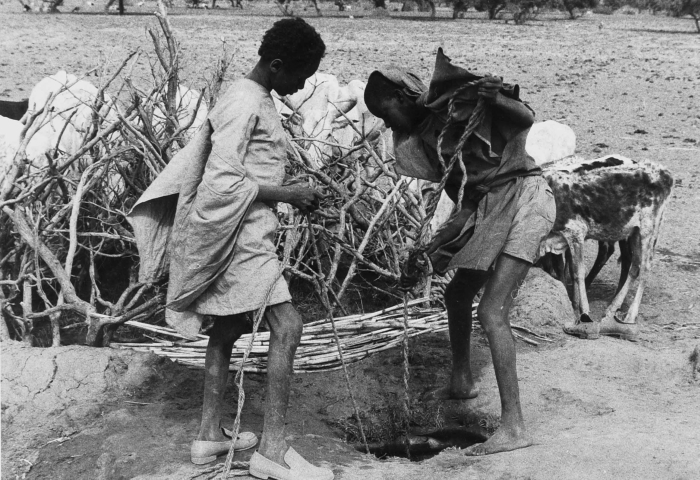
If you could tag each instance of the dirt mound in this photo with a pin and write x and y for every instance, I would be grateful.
(53, 393)
(541, 302)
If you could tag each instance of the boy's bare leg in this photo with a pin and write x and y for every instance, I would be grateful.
(285, 334)
(494, 306)
(222, 336)
(459, 297)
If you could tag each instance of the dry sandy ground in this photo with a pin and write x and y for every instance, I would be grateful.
(598, 409)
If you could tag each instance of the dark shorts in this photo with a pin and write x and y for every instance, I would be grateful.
(536, 212)
(512, 218)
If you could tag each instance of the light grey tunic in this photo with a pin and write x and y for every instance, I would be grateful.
(245, 120)
(199, 221)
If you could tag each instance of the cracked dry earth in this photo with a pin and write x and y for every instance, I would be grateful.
(602, 409)
(596, 409)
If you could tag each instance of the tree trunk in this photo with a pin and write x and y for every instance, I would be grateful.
(431, 3)
(318, 10)
(492, 12)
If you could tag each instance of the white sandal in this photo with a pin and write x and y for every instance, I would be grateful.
(203, 451)
(299, 468)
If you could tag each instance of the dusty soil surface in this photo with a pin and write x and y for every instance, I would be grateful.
(597, 409)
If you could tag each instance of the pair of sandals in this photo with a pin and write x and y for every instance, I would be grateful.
(607, 327)
(297, 468)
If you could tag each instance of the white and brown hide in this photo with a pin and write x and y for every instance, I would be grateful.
(608, 200)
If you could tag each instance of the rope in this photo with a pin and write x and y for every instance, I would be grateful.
(288, 246)
(417, 264)
(475, 120)
(406, 377)
(323, 290)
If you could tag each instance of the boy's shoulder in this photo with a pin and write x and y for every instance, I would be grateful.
(243, 98)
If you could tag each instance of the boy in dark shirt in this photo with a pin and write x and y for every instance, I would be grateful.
(493, 238)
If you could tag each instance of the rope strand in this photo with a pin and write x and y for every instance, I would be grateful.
(425, 234)
(323, 290)
(256, 324)
(406, 378)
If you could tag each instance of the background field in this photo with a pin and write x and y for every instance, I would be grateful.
(605, 409)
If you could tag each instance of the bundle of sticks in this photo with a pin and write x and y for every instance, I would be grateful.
(361, 335)
(68, 256)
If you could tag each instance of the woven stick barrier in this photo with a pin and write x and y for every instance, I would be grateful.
(360, 336)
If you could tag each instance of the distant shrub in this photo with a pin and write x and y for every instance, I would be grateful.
(681, 8)
(603, 10)
(526, 10)
(492, 7)
(615, 4)
(628, 10)
(459, 8)
(575, 8)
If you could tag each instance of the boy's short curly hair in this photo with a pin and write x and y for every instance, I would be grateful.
(293, 41)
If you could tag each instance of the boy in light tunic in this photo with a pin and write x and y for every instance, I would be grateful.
(214, 206)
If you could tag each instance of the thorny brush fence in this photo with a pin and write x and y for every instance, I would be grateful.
(68, 258)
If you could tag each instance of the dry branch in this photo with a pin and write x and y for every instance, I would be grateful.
(69, 214)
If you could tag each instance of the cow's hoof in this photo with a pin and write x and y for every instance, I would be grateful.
(585, 330)
(611, 327)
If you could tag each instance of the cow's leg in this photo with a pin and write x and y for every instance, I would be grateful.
(584, 326)
(459, 296)
(647, 242)
(559, 266)
(579, 268)
(635, 248)
(625, 263)
(605, 251)
(610, 325)
(575, 294)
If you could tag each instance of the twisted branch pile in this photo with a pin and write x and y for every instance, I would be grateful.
(68, 257)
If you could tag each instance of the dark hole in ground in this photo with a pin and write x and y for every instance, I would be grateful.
(425, 446)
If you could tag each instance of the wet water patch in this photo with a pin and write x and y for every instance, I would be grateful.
(422, 447)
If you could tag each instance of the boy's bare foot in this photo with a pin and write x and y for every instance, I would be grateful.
(452, 393)
(461, 387)
(504, 440)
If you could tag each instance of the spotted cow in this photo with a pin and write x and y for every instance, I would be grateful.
(608, 200)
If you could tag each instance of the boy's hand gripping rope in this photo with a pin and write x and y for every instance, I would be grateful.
(417, 265)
